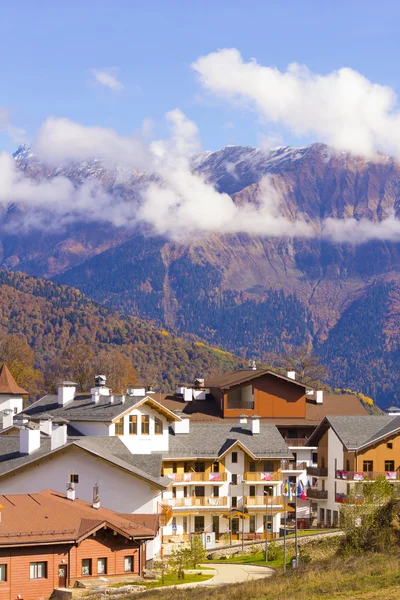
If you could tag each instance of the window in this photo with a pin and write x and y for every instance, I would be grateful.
(389, 445)
(252, 467)
(132, 424)
(347, 465)
(215, 467)
(234, 457)
(74, 478)
(158, 426)
(199, 467)
(199, 491)
(269, 465)
(174, 492)
(234, 479)
(38, 570)
(128, 564)
(101, 566)
(368, 466)
(186, 467)
(86, 566)
(185, 491)
(215, 491)
(198, 524)
(322, 516)
(252, 491)
(145, 425)
(119, 427)
(315, 458)
(268, 490)
(252, 524)
(175, 468)
(3, 572)
(234, 501)
(185, 524)
(389, 465)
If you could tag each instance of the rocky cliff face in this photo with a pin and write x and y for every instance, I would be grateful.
(251, 294)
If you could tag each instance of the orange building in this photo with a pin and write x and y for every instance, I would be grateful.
(49, 540)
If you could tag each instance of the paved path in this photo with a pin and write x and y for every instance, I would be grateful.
(233, 573)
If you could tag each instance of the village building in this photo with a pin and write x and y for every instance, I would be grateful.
(352, 449)
(50, 540)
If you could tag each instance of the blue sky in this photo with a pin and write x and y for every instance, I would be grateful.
(49, 49)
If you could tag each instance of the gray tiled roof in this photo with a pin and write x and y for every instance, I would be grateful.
(212, 439)
(111, 449)
(360, 431)
(82, 408)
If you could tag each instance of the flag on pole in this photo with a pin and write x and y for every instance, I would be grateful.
(299, 489)
(286, 489)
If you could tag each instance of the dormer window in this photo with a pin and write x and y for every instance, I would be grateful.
(132, 425)
(119, 427)
(158, 426)
(145, 425)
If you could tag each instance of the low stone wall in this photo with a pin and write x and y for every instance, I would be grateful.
(260, 546)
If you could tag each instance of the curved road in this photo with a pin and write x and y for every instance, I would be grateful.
(234, 573)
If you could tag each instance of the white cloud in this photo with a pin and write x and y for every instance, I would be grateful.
(343, 108)
(16, 134)
(108, 77)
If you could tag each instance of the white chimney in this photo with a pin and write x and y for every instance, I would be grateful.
(122, 399)
(291, 374)
(112, 399)
(95, 396)
(66, 392)
(29, 440)
(255, 424)
(71, 491)
(45, 425)
(242, 419)
(319, 396)
(58, 435)
(150, 390)
(96, 496)
(182, 426)
(252, 365)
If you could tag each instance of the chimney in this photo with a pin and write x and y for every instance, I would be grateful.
(182, 426)
(319, 396)
(8, 418)
(71, 491)
(58, 434)
(252, 365)
(99, 388)
(95, 396)
(255, 424)
(29, 440)
(242, 419)
(66, 392)
(45, 425)
(291, 374)
(96, 497)
(122, 399)
(112, 399)
(150, 390)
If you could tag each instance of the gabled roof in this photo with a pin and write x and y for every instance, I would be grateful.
(355, 432)
(228, 380)
(213, 439)
(110, 449)
(8, 384)
(49, 517)
(82, 408)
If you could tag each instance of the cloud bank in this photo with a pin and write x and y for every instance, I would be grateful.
(343, 108)
(108, 78)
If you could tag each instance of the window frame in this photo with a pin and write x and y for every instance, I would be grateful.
(392, 464)
(105, 565)
(74, 478)
(5, 572)
(133, 425)
(145, 425)
(234, 458)
(119, 426)
(132, 561)
(89, 561)
(35, 566)
(158, 424)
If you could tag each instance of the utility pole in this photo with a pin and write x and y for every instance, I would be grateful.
(284, 533)
(295, 525)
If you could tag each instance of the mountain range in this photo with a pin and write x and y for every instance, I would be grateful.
(250, 294)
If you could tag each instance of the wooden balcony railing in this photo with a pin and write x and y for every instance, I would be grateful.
(317, 471)
(367, 475)
(315, 494)
(193, 476)
(196, 501)
(262, 476)
(296, 442)
(291, 465)
(165, 512)
(264, 500)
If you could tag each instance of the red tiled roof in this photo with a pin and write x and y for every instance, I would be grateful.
(8, 384)
(48, 516)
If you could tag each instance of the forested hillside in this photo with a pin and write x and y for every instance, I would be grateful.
(53, 318)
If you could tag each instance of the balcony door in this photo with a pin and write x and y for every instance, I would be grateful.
(198, 524)
(215, 525)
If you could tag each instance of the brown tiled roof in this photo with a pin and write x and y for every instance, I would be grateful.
(232, 378)
(333, 404)
(48, 516)
(8, 384)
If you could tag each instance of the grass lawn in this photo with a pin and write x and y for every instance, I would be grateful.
(173, 580)
(253, 559)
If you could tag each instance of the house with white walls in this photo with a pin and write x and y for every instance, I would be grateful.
(11, 397)
(350, 450)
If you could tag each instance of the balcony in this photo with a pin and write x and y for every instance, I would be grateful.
(203, 477)
(317, 471)
(314, 494)
(296, 442)
(262, 476)
(240, 405)
(205, 501)
(263, 500)
(288, 465)
(367, 475)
